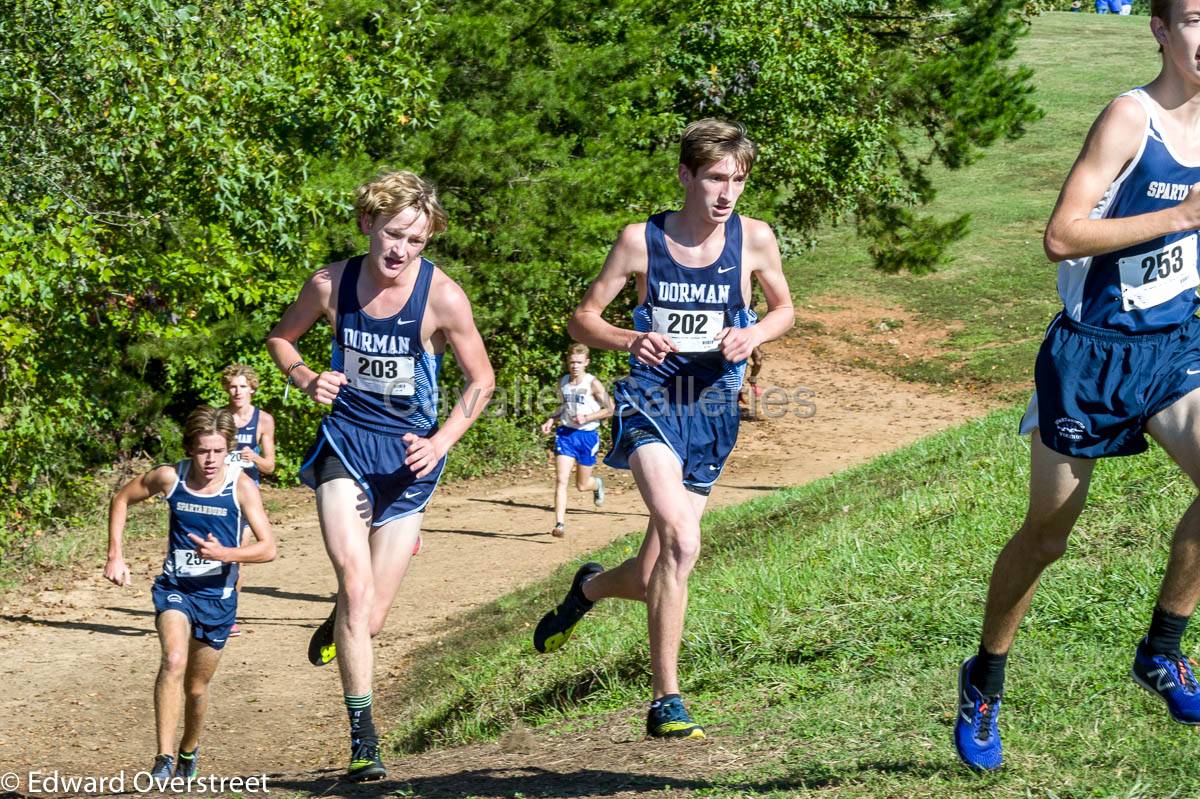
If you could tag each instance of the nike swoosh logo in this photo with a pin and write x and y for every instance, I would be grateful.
(1193, 371)
(411, 494)
(721, 271)
(404, 322)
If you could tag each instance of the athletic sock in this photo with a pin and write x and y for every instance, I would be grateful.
(362, 726)
(987, 672)
(187, 755)
(1166, 633)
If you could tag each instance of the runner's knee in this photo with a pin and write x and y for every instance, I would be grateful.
(174, 662)
(1045, 541)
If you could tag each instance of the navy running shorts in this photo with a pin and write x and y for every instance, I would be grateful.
(1096, 388)
(582, 445)
(700, 431)
(374, 460)
(210, 618)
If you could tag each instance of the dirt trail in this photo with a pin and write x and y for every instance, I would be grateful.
(80, 655)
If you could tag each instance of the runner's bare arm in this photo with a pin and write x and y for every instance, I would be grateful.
(315, 301)
(1110, 145)
(627, 258)
(606, 404)
(761, 254)
(262, 550)
(453, 317)
(156, 481)
(266, 440)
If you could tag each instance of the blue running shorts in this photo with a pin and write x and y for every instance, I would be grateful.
(701, 429)
(582, 445)
(210, 618)
(1096, 388)
(376, 462)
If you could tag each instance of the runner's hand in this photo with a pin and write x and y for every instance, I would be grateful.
(547, 427)
(246, 455)
(210, 548)
(117, 572)
(423, 454)
(652, 348)
(736, 343)
(326, 387)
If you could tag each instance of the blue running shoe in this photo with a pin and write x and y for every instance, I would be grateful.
(188, 767)
(1170, 678)
(556, 626)
(668, 718)
(976, 732)
(163, 766)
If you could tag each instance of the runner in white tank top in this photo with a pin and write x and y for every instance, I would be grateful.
(583, 403)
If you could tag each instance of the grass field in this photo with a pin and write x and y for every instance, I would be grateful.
(831, 618)
(998, 290)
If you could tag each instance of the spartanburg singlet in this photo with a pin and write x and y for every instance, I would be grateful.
(1150, 286)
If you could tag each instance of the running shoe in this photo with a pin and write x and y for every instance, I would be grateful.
(976, 731)
(559, 530)
(235, 631)
(598, 494)
(1170, 678)
(365, 763)
(188, 767)
(556, 626)
(163, 766)
(668, 718)
(321, 648)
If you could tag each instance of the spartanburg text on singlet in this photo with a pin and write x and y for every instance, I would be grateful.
(392, 380)
(1150, 286)
(199, 514)
(691, 306)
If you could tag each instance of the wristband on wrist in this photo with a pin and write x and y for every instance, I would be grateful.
(290, 380)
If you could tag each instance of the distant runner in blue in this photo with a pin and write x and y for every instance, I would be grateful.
(380, 450)
(194, 596)
(676, 417)
(1120, 361)
(255, 452)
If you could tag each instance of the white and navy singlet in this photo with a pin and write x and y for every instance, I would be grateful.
(247, 436)
(201, 514)
(691, 305)
(1150, 286)
(392, 381)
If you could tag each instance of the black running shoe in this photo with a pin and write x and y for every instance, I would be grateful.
(365, 763)
(321, 648)
(556, 627)
(188, 767)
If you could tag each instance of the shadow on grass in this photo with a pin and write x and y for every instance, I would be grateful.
(534, 781)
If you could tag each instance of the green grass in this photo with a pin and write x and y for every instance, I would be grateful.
(998, 285)
(833, 616)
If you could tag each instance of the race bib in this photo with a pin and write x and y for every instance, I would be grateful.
(188, 563)
(391, 375)
(1152, 278)
(692, 331)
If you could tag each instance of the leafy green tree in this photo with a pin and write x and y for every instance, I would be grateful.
(160, 206)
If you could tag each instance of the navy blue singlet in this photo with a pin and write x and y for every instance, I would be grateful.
(393, 381)
(201, 514)
(1150, 286)
(691, 305)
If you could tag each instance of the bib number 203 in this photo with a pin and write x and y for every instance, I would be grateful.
(1162, 264)
(377, 367)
